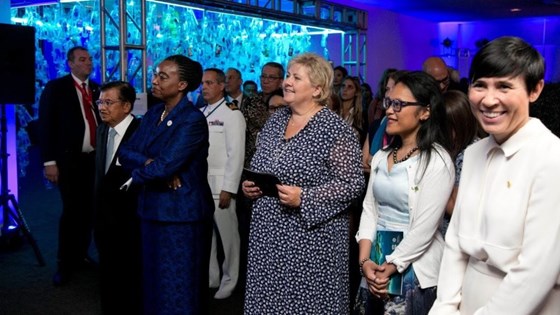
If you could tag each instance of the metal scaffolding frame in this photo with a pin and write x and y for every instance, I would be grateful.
(354, 53)
(306, 12)
(124, 48)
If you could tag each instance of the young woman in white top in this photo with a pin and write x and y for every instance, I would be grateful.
(502, 254)
(408, 189)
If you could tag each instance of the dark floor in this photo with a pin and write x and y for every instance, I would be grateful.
(26, 288)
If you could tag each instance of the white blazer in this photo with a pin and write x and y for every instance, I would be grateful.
(423, 244)
(506, 222)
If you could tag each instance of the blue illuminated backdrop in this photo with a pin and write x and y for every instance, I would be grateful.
(214, 39)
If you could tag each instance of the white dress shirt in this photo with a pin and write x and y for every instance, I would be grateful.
(120, 128)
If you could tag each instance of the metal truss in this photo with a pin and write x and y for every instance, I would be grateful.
(129, 57)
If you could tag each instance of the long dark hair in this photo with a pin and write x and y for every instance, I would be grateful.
(462, 124)
(425, 90)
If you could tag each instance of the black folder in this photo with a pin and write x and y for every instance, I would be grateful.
(265, 181)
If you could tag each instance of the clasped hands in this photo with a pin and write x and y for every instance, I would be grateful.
(377, 277)
(225, 196)
(288, 195)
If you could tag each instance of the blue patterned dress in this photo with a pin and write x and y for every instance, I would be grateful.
(298, 257)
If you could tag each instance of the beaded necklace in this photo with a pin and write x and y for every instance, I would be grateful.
(163, 114)
(406, 157)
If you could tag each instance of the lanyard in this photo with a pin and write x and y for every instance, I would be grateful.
(211, 112)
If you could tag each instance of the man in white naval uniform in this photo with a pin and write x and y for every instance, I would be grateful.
(225, 165)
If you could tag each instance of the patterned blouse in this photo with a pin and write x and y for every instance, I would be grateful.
(299, 257)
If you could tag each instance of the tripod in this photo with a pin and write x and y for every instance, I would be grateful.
(13, 213)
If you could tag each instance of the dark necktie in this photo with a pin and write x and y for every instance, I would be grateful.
(88, 110)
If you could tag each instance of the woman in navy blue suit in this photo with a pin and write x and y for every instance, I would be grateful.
(167, 157)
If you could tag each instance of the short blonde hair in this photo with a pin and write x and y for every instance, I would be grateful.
(320, 73)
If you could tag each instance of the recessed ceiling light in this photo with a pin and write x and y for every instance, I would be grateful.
(515, 10)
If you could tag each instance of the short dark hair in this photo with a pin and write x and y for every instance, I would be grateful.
(277, 66)
(220, 75)
(277, 92)
(249, 82)
(508, 56)
(70, 53)
(236, 71)
(342, 69)
(190, 71)
(125, 89)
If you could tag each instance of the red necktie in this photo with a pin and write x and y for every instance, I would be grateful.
(88, 110)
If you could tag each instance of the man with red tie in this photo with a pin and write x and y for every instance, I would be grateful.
(68, 120)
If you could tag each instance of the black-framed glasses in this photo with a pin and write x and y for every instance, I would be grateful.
(398, 104)
(265, 77)
(107, 103)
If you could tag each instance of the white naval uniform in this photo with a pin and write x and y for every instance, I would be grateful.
(225, 165)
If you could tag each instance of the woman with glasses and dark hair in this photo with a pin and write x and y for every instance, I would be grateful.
(502, 254)
(168, 159)
(410, 182)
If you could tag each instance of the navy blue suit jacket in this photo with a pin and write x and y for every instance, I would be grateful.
(178, 146)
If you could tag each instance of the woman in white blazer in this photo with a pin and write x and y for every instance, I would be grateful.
(408, 189)
(502, 254)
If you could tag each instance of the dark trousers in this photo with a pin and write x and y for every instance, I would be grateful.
(120, 265)
(76, 180)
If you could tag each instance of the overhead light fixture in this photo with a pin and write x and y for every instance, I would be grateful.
(515, 10)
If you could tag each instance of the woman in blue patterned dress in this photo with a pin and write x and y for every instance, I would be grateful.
(408, 189)
(298, 242)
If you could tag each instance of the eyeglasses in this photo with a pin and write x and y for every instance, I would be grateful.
(398, 104)
(265, 77)
(107, 103)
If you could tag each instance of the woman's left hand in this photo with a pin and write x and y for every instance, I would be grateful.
(382, 277)
(289, 195)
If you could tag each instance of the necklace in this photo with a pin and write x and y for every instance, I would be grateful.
(406, 157)
(163, 114)
(292, 120)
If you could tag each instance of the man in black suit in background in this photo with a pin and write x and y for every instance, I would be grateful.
(67, 122)
(117, 226)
